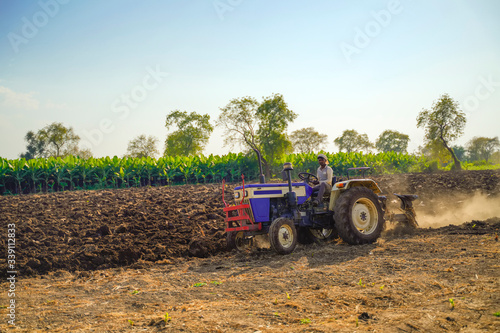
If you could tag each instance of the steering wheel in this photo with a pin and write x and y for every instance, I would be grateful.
(308, 177)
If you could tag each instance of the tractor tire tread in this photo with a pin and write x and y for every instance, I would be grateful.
(343, 219)
(274, 235)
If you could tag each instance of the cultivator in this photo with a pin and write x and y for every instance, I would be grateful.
(239, 217)
(409, 215)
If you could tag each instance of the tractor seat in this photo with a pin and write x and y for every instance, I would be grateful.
(334, 180)
(314, 194)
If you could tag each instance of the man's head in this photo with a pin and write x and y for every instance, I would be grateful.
(322, 160)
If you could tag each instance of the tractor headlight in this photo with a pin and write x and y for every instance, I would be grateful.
(237, 195)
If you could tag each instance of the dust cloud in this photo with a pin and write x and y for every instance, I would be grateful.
(454, 210)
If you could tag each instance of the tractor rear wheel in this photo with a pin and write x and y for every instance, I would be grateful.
(237, 240)
(358, 216)
(283, 235)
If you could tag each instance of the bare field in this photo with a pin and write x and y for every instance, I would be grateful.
(79, 276)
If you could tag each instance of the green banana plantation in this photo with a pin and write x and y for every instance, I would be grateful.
(72, 173)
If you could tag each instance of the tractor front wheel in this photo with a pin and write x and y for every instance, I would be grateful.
(283, 235)
(358, 216)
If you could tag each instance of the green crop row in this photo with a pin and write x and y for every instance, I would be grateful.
(72, 173)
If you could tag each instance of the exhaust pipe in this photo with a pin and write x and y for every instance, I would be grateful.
(262, 179)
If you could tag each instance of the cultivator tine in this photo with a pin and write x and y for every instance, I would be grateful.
(383, 202)
(407, 208)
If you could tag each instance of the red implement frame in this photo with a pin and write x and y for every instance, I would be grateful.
(242, 221)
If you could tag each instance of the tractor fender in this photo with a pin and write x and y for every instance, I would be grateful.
(340, 187)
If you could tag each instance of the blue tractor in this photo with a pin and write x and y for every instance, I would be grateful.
(353, 210)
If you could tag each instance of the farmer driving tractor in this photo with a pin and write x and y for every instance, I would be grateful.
(291, 213)
(324, 182)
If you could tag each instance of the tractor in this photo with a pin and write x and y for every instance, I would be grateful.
(353, 210)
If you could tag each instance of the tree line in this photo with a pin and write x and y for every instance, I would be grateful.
(261, 127)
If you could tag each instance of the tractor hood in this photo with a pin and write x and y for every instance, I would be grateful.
(278, 190)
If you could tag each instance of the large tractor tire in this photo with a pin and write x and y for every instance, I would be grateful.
(283, 235)
(237, 240)
(358, 216)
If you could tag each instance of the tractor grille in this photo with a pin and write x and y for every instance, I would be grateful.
(249, 210)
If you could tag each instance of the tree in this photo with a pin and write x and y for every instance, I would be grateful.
(392, 141)
(53, 140)
(435, 151)
(259, 126)
(240, 123)
(443, 123)
(274, 116)
(460, 152)
(35, 147)
(142, 146)
(192, 134)
(83, 153)
(307, 140)
(495, 157)
(481, 148)
(352, 141)
(61, 140)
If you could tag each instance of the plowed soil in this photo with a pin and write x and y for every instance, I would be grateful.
(118, 260)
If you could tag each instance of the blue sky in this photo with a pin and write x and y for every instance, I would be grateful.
(114, 69)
